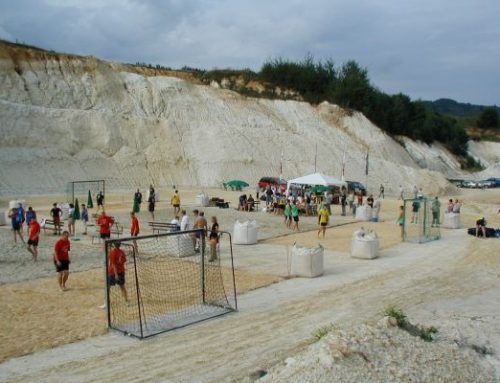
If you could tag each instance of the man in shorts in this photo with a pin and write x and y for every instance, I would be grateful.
(176, 202)
(17, 224)
(116, 269)
(105, 223)
(100, 201)
(61, 259)
(200, 222)
(323, 218)
(34, 235)
(55, 213)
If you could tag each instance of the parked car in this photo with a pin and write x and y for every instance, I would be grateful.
(485, 184)
(356, 186)
(496, 181)
(277, 182)
(469, 184)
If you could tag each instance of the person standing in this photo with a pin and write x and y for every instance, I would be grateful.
(176, 202)
(184, 221)
(401, 221)
(323, 218)
(343, 201)
(61, 259)
(138, 200)
(71, 219)
(55, 213)
(381, 191)
(214, 239)
(30, 215)
(287, 212)
(116, 269)
(34, 235)
(436, 212)
(84, 217)
(415, 191)
(401, 193)
(16, 224)
(415, 206)
(369, 201)
(295, 216)
(199, 223)
(152, 202)
(134, 229)
(105, 223)
(100, 201)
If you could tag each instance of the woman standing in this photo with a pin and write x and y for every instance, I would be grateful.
(213, 239)
(295, 216)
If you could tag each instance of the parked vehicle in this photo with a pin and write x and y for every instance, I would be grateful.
(277, 182)
(485, 184)
(356, 186)
(496, 181)
(469, 184)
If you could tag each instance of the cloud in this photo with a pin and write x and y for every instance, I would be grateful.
(426, 49)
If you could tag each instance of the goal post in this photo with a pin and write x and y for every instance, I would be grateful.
(419, 223)
(81, 190)
(169, 284)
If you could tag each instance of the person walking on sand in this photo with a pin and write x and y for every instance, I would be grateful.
(116, 269)
(381, 191)
(184, 221)
(401, 221)
(30, 215)
(85, 217)
(323, 218)
(287, 212)
(16, 223)
(176, 202)
(61, 259)
(401, 193)
(138, 200)
(295, 216)
(34, 235)
(134, 229)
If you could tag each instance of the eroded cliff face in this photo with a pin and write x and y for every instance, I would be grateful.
(65, 118)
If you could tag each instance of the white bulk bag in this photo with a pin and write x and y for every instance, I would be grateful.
(65, 210)
(451, 221)
(364, 213)
(4, 217)
(364, 244)
(245, 233)
(202, 200)
(307, 262)
(181, 245)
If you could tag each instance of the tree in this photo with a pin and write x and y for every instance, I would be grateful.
(488, 119)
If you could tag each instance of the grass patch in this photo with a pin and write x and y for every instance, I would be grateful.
(321, 332)
(425, 333)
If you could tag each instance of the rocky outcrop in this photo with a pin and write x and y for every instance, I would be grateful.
(66, 118)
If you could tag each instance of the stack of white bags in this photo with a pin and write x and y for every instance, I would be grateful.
(365, 244)
(245, 233)
(307, 262)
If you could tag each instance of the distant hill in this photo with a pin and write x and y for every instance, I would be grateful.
(454, 108)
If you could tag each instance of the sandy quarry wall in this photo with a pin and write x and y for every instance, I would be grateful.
(73, 118)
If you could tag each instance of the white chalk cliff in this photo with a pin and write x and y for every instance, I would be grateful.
(65, 118)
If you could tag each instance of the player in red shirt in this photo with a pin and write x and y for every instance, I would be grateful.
(134, 229)
(105, 223)
(61, 259)
(116, 269)
(34, 235)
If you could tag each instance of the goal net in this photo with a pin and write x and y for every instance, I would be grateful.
(82, 189)
(169, 284)
(420, 224)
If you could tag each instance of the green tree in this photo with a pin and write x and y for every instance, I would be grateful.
(488, 119)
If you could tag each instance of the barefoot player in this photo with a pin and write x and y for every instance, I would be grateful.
(61, 259)
(34, 235)
(116, 269)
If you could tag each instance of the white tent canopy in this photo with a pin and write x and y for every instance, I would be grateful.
(317, 179)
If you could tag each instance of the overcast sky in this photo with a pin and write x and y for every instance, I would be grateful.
(427, 49)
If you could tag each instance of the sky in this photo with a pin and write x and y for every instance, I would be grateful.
(426, 49)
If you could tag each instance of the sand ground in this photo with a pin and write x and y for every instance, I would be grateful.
(451, 282)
